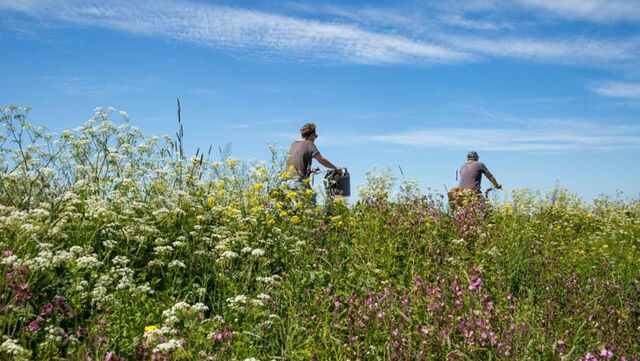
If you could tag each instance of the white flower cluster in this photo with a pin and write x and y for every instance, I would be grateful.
(269, 279)
(168, 346)
(88, 262)
(237, 302)
(14, 350)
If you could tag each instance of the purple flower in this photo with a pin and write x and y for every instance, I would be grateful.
(35, 324)
(59, 300)
(46, 309)
(608, 354)
(476, 283)
(108, 357)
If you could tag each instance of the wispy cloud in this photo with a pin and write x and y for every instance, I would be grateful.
(590, 137)
(618, 89)
(226, 27)
(591, 10)
(367, 36)
(460, 21)
(570, 51)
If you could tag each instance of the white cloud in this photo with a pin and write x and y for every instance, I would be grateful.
(591, 10)
(462, 22)
(225, 27)
(570, 51)
(618, 90)
(589, 137)
(367, 36)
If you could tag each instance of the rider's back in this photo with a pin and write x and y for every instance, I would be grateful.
(471, 175)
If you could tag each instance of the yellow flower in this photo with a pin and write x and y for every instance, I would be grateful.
(292, 195)
(308, 192)
(221, 192)
(231, 162)
(507, 208)
(270, 222)
(605, 246)
(295, 219)
(283, 214)
(278, 205)
(258, 186)
(150, 328)
(216, 164)
(256, 209)
(339, 200)
(589, 215)
(211, 201)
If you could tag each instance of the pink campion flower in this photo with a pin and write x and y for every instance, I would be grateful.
(24, 287)
(217, 336)
(608, 354)
(424, 330)
(589, 357)
(47, 309)
(35, 324)
(80, 331)
(7, 253)
(59, 300)
(476, 283)
(108, 356)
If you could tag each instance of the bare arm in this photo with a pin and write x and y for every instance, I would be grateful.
(493, 180)
(322, 160)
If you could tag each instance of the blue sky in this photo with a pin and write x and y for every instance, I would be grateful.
(544, 90)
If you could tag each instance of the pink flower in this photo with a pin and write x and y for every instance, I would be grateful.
(476, 283)
(606, 353)
(46, 309)
(108, 357)
(424, 330)
(35, 324)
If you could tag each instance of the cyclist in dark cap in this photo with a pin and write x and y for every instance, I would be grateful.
(471, 174)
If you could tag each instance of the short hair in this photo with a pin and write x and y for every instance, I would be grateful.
(472, 155)
(307, 130)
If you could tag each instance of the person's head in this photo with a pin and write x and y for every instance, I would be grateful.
(308, 131)
(472, 155)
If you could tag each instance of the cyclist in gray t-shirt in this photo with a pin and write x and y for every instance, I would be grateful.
(303, 151)
(471, 173)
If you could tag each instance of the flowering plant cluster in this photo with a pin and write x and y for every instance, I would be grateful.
(116, 246)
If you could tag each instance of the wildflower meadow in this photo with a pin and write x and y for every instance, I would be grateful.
(119, 246)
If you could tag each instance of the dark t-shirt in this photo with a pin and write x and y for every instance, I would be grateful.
(301, 155)
(471, 175)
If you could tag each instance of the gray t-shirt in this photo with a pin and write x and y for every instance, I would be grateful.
(301, 155)
(471, 175)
